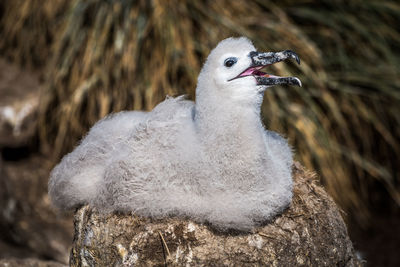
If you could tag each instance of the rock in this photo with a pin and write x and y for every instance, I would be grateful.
(28, 263)
(28, 225)
(311, 232)
(19, 100)
(7, 204)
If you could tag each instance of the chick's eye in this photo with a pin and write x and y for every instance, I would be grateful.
(229, 62)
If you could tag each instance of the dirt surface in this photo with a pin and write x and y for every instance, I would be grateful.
(379, 242)
(15, 82)
(13, 262)
(19, 102)
(30, 227)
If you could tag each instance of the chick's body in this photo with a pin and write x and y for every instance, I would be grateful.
(212, 161)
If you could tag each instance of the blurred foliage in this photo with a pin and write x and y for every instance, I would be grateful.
(112, 55)
(27, 29)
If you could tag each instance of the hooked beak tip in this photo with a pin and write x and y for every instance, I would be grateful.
(261, 59)
(297, 82)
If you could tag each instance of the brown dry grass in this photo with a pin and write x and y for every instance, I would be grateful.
(27, 29)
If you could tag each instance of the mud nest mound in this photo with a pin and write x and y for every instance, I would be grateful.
(310, 232)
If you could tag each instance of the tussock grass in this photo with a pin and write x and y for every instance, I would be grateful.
(121, 54)
(27, 29)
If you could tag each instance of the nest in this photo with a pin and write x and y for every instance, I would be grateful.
(310, 232)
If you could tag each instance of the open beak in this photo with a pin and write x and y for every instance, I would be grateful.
(262, 59)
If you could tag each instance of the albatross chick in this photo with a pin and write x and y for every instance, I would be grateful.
(211, 161)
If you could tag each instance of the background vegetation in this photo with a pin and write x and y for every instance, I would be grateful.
(98, 57)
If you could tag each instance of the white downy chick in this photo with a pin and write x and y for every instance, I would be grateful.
(211, 161)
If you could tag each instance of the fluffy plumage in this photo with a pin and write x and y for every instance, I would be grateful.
(212, 161)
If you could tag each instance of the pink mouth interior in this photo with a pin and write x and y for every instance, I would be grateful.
(254, 71)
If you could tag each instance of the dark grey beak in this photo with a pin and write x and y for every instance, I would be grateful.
(268, 58)
(262, 59)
